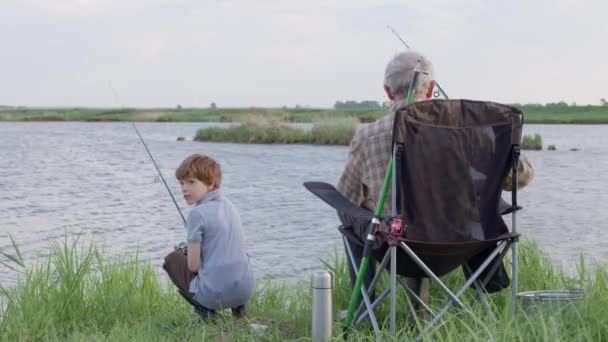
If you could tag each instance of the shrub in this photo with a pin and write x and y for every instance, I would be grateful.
(530, 142)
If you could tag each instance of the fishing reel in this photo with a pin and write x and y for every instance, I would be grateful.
(181, 248)
(395, 231)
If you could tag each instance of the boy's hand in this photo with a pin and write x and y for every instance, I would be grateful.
(182, 248)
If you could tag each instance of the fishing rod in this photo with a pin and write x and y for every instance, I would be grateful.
(436, 94)
(117, 100)
(375, 222)
(159, 173)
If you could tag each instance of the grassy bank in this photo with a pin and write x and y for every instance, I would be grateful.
(181, 115)
(533, 114)
(78, 295)
(262, 130)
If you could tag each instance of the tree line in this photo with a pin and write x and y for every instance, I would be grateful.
(350, 104)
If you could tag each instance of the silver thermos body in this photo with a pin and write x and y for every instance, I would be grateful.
(322, 306)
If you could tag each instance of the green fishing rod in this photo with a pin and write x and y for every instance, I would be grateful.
(439, 88)
(371, 238)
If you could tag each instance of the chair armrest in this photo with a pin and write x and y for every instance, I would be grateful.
(330, 195)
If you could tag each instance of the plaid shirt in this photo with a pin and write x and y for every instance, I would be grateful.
(363, 176)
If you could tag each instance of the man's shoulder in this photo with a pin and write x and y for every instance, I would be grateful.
(378, 128)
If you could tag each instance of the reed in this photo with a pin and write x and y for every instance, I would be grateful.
(76, 294)
(259, 129)
(530, 142)
(334, 131)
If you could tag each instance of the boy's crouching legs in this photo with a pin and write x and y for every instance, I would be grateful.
(176, 266)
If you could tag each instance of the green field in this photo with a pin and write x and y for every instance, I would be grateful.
(533, 114)
(75, 294)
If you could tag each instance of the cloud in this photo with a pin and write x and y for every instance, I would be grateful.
(270, 52)
(83, 8)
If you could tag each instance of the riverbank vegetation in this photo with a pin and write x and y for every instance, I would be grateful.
(532, 142)
(269, 130)
(535, 113)
(76, 294)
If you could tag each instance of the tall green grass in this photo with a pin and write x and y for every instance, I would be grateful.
(259, 129)
(78, 295)
(530, 142)
(254, 129)
(334, 131)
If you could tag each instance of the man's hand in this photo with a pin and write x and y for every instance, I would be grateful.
(525, 174)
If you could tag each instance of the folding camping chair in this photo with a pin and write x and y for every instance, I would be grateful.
(448, 161)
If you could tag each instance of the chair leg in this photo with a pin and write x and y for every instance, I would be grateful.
(497, 264)
(374, 282)
(514, 265)
(393, 288)
(366, 300)
(474, 277)
(365, 313)
(482, 297)
(361, 314)
(420, 301)
(430, 273)
(480, 285)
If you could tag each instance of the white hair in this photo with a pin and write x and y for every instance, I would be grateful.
(400, 70)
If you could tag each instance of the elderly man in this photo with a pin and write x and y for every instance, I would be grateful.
(369, 153)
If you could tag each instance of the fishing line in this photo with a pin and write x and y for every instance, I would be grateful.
(159, 174)
(439, 90)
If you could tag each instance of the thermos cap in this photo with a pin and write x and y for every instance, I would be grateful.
(322, 280)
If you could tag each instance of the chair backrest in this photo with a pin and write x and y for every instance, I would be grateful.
(451, 158)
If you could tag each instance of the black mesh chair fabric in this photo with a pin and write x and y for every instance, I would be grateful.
(451, 158)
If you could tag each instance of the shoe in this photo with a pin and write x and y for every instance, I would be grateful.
(205, 314)
(239, 311)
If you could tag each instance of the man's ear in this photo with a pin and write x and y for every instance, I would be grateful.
(389, 93)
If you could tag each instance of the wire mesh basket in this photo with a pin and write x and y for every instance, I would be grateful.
(550, 300)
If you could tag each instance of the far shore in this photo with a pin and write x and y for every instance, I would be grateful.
(533, 114)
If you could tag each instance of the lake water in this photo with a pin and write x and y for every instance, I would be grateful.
(95, 181)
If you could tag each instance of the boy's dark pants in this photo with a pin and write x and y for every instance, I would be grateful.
(176, 266)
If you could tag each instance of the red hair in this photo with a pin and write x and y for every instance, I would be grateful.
(201, 167)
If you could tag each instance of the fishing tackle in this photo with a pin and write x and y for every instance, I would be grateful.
(434, 84)
(159, 173)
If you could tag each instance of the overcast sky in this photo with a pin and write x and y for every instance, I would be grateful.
(272, 53)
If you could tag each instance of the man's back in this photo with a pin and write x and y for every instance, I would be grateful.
(369, 154)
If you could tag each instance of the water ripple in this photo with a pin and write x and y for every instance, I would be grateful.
(95, 181)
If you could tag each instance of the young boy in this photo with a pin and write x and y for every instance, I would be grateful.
(215, 272)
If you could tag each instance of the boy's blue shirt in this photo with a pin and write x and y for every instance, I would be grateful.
(225, 278)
